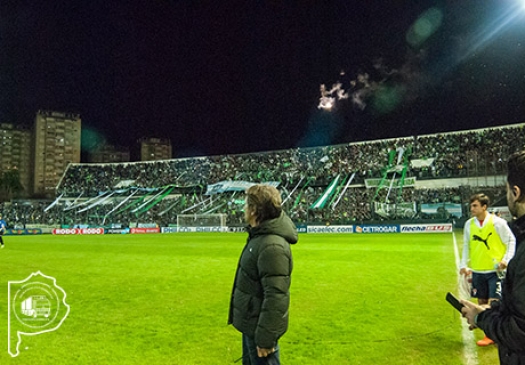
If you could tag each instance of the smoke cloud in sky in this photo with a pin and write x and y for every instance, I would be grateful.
(385, 88)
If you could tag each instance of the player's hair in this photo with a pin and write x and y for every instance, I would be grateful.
(265, 201)
(483, 199)
(516, 171)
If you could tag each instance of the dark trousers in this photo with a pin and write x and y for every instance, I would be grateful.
(249, 354)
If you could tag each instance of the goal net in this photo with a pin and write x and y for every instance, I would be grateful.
(202, 220)
(399, 210)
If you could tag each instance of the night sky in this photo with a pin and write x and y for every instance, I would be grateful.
(228, 76)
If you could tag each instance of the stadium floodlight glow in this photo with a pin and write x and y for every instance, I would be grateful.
(507, 18)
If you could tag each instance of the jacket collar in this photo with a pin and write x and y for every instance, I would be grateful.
(518, 228)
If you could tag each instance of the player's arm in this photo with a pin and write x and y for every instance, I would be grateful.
(466, 249)
(507, 237)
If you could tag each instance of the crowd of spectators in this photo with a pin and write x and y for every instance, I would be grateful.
(303, 174)
(455, 154)
(348, 207)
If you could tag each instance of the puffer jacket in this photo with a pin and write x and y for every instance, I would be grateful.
(260, 297)
(504, 322)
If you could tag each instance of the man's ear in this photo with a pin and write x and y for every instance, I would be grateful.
(516, 191)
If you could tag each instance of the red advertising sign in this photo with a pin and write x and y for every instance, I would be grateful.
(66, 231)
(144, 230)
(78, 231)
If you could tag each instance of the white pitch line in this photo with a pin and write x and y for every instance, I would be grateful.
(470, 352)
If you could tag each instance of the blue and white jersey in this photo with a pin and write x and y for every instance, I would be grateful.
(3, 226)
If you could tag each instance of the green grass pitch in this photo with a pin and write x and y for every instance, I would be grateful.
(163, 299)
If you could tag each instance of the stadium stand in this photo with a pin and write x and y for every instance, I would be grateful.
(327, 184)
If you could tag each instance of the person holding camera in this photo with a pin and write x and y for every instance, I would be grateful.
(504, 321)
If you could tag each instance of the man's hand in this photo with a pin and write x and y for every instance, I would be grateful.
(502, 266)
(264, 352)
(464, 271)
(470, 311)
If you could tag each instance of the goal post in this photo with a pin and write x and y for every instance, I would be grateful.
(406, 210)
(202, 220)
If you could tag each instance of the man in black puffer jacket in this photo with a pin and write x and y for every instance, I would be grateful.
(261, 297)
(504, 322)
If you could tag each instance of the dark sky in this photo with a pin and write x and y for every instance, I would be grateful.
(244, 76)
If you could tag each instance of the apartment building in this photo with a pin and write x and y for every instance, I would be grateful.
(57, 144)
(109, 153)
(155, 149)
(15, 153)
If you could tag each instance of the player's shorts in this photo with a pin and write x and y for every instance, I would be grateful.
(486, 286)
